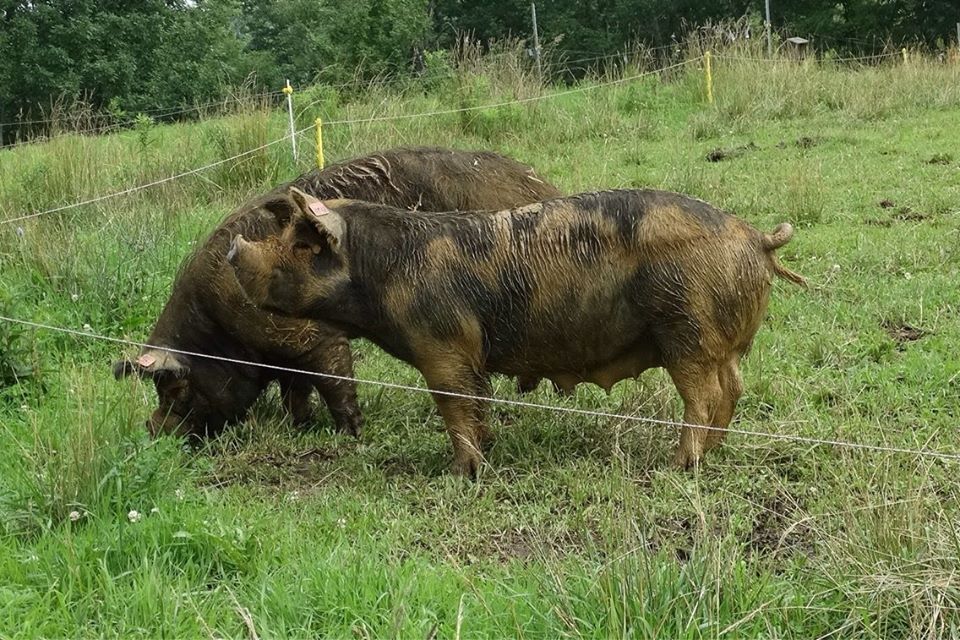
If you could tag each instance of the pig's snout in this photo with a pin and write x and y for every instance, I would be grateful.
(235, 248)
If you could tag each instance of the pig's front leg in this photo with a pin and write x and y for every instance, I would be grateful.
(463, 417)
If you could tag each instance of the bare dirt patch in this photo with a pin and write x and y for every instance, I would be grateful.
(903, 333)
(906, 214)
(777, 514)
(720, 154)
(803, 142)
(504, 545)
(300, 468)
(940, 158)
(902, 214)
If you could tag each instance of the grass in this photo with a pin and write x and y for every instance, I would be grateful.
(579, 527)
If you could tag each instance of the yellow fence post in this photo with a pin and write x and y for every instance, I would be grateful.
(707, 71)
(318, 125)
(904, 52)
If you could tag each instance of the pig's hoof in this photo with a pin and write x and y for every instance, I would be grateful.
(686, 460)
(560, 391)
(466, 467)
(348, 421)
(353, 426)
(526, 385)
(302, 418)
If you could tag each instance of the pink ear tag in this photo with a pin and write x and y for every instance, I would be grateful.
(318, 208)
(146, 360)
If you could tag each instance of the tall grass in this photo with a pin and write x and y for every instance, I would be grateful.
(85, 454)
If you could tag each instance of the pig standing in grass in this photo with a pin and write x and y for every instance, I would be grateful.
(208, 313)
(592, 288)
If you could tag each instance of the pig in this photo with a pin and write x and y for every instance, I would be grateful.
(208, 313)
(594, 288)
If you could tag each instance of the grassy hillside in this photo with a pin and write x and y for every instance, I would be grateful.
(579, 527)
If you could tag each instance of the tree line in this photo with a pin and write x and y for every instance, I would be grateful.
(134, 55)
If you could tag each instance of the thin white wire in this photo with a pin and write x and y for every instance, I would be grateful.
(116, 126)
(156, 111)
(148, 185)
(337, 122)
(546, 96)
(511, 102)
(821, 60)
(620, 55)
(952, 457)
(159, 112)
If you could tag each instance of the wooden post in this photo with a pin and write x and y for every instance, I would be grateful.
(766, 25)
(536, 41)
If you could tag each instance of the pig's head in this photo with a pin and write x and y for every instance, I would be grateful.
(194, 398)
(301, 270)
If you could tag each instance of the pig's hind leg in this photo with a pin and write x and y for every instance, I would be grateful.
(699, 386)
(731, 383)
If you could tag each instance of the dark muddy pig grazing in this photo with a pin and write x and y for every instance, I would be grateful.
(592, 288)
(208, 313)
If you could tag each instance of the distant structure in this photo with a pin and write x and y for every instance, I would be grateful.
(796, 47)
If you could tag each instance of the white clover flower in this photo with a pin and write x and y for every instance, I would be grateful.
(75, 515)
(342, 523)
(155, 510)
(179, 494)
(134, 516)
(75, 296)
(88, 328)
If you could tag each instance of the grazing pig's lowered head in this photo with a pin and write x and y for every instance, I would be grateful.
(192, 397)
(168, 372)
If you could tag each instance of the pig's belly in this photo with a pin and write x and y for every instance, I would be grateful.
(602, 350)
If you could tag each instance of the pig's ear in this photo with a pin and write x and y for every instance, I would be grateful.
(327, 222)
(150, 364)
(281, 207)
(124, 368)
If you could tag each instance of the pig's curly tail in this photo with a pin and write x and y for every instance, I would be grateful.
(772, 241)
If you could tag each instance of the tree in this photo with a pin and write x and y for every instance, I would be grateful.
(135, 55)
(330, 39)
